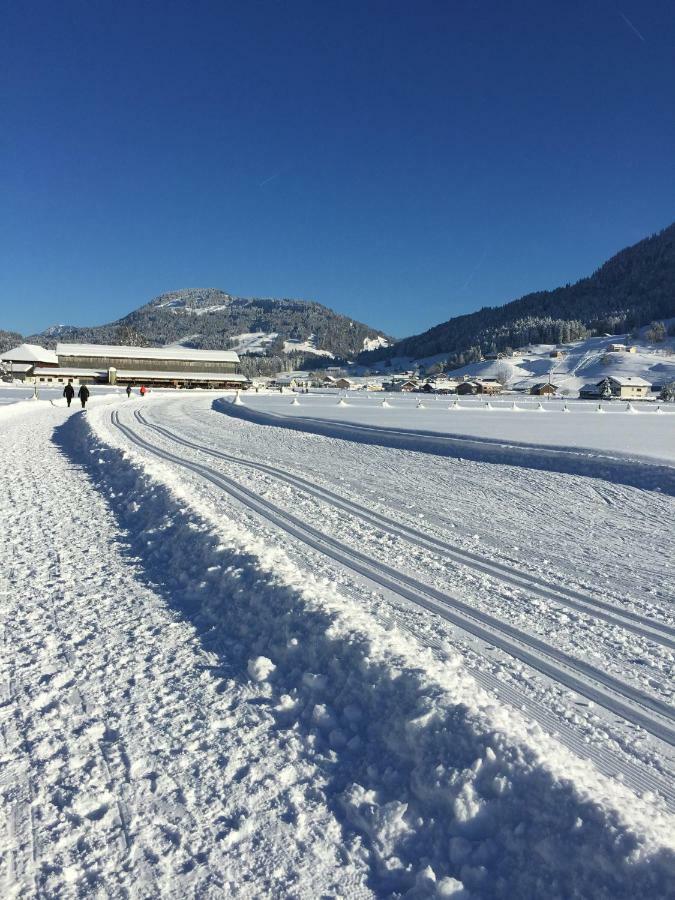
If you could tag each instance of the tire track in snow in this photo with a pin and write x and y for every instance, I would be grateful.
(650, 629)
(624, 700)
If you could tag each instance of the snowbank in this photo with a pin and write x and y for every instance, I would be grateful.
(438, 788)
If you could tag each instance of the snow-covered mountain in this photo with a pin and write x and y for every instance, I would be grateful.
(213, 319)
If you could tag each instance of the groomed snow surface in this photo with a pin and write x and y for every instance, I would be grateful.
(244, 657)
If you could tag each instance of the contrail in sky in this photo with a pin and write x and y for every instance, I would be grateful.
(271, 178)
(631, 26)
(474, 270)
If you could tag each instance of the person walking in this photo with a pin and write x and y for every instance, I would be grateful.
(83, 394)
(69, 391)
(128, 391)
(143, 390)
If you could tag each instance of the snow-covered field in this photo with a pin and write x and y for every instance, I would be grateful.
(318, 650)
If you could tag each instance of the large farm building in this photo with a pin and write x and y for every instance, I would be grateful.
(110, 364)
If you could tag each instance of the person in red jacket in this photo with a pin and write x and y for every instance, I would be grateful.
(143, 390)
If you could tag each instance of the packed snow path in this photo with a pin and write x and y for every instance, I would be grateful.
(134, 762)
(191, 711)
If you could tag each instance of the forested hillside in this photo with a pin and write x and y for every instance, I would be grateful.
(210, 318)
(633, 288)
(9, 339)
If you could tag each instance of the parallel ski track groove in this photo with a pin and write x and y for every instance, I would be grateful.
(624, 700)
(650, 629)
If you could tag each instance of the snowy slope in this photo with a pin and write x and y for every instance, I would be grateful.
(582, 362)
(308, 346)
(255, 677)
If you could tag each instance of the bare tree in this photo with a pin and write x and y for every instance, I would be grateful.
(504, 373)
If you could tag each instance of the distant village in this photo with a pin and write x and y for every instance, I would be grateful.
(183, 367)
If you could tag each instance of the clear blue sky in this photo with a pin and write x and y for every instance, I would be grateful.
(402, 162)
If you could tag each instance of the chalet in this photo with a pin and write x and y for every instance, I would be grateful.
(322, 380)
(590, 392)
(488, 386)
(343, 384)
(628, 387)
(400, 384)
(557, 354)
(543, 389)
(617, 348)
(479, 386)
(468, 387)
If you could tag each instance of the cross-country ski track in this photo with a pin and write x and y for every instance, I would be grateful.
(257, 661)
(616, 697)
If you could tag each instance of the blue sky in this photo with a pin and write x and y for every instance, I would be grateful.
(402, 162)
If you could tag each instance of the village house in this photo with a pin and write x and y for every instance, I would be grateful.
(590, 391)
(400, 384)
(320, 379)
(479, 386)
(557, 354)
(343, 384)
(543, 389)
(442, 386)
(293, 379)
(467, 387)
(628, 387)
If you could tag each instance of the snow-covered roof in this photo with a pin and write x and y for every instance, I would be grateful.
(30, 353)
(154, 375)
(164, 353)
(292, 376)
(629, 381)
(17, 368)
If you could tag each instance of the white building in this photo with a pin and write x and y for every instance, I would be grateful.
(152, 366)
(20, 362)
(113, 364)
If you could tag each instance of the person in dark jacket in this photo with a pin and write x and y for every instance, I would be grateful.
(69, 391)
(83, 394)
(128, 391)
